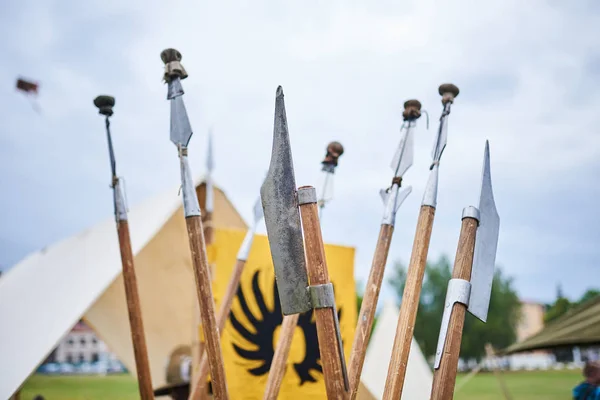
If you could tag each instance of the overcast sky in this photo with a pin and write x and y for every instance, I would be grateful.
(528, 73)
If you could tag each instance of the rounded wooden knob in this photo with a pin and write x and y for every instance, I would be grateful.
(105, 104)
(169, 55)
(448, 91)
(412, 109)
(334, 151)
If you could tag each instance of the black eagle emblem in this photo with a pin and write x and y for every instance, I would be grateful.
(264, 326)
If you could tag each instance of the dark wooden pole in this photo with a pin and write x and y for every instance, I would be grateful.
(410, 304)
(135, 313)
(317, 275)
(284, 344)
(368, 307)
(444, 378)
(199, 387)
(207, 306)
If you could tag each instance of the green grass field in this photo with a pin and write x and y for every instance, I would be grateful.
(547, 385)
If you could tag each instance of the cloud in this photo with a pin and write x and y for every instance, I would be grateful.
(525, 71)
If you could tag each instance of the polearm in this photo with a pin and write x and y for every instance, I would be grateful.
(199, 387)
(471, 285)
(392, 199)
(489, 351)
(416, 269)
(290, 322)
(209, 203)
(207, 223)
(330, 162)
(293, 267)
(105, 105)
(181, 132)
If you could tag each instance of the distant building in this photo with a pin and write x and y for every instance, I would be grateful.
(80, 345)
(532, 319)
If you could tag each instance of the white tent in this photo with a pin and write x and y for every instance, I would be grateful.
(417, 384)
(46, 293)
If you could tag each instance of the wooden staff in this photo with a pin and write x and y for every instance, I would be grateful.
(105, 104)
(489, 351)
(316, 266)
(199, 387)
(416, 268)
(392, 199)
(181, 132)
(293, 266)
(197, 341)
(282, 349)
(471, 283)
(444, 377)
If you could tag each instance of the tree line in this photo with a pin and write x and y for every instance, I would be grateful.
(503, 317)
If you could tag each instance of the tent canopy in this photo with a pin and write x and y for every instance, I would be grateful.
(579, 326)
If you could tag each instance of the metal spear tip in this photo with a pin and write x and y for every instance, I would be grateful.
(412, 109)
(334, 151)
(105, 104)
(448, 91)
(486, 244)
(282, 218)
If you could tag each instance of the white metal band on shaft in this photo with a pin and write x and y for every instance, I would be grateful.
(389, 213)
(307, 195)
(209, 204)
(119, 200)
(459, 291)
(430, 194)
(471, 212)
(191, 207)
(322, 296)
(244, 250)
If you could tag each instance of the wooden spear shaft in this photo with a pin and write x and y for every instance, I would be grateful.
(444, 378)
(105, 105)
(489, 350)
(207, 306)
(199, 388)
(410, 303)
(284, 344)
(135, 313)
(367, 309)
(198, 384)
(326, 330)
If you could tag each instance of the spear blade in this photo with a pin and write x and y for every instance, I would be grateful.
(181, 129)
(210, 162)
(486, 244)
(257, 211)
(404, 157)
(282, 218)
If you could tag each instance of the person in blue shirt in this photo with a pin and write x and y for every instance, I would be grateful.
(589, 389)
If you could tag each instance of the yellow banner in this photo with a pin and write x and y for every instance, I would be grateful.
(252, 329)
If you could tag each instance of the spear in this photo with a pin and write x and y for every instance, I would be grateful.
(330, 162)
(392, 199)
(209, 203)
(293, 272)
(181, 132)
(232, 288)
(207, 223)
(288, 326)
(471, 285)
(105, 105)
(416, 269)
